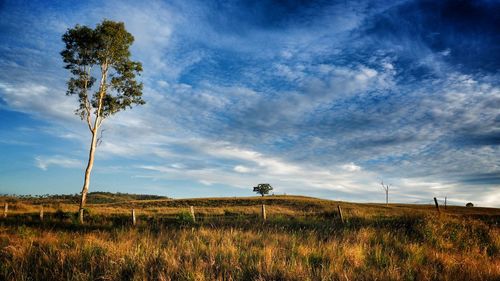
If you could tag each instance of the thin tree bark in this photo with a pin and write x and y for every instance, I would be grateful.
(94, 130)
(386, 189)
(387, 197)
(86, 182)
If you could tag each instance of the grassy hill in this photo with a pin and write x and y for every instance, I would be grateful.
(303, 238)
(107, 203)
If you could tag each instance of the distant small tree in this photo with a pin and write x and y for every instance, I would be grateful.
(386, 189)
(101, 54)
(262, 188)
(469, 205)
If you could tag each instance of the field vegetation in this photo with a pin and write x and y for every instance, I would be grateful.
(303, 238)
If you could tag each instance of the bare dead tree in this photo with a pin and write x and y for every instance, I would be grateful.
(386, 189)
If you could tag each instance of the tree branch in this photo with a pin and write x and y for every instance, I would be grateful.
(99, 139)
(385, 187)
(102, 92)
(87, 102)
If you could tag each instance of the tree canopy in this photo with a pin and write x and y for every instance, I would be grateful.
(262, 188)
(105, 47)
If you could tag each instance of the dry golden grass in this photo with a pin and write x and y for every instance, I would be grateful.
(303, 239)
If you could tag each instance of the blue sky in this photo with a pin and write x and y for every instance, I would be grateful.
(321, 98)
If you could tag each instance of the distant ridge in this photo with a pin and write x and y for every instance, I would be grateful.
(96, 197)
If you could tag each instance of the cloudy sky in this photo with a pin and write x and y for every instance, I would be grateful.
(322, 98)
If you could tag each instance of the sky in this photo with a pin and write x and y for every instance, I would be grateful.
(318, 98)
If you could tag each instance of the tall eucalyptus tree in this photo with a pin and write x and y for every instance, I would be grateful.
(100, 54)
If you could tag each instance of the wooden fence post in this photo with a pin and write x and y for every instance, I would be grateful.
(80, 216)
(191, 208)
(340, 213)
(41, 213)
(133, 217)
(264, 216)
(445, 203)
(5, 210)
(437, 205)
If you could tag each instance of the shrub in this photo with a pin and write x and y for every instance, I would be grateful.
(61, 215)
(185, 218)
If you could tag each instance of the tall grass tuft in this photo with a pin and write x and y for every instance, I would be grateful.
(401, 244)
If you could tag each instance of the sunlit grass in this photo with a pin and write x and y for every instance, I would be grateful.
(303, 239)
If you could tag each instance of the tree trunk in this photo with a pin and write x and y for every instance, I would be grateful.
(94, 130)
(86, 182)
(386, 197)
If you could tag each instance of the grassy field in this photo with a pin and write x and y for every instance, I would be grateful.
(302, 239)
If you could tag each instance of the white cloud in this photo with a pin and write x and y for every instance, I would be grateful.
(40, 100)
(292, 73)
(259, 167)
(351, 167)
(204, 182)
(346, 81)
(43, 162)
(178, 166)
(241, 169)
